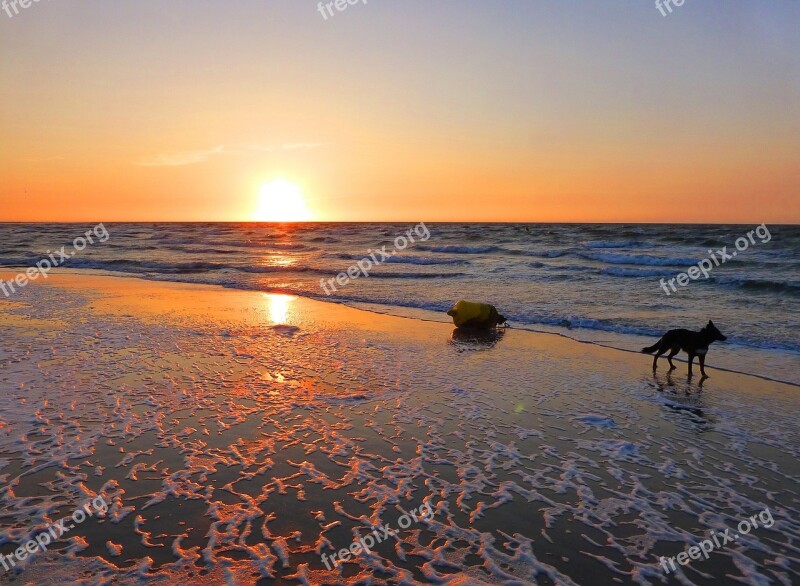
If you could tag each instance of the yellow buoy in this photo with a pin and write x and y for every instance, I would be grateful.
(468, 314)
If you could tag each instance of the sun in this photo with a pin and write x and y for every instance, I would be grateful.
(281, 201)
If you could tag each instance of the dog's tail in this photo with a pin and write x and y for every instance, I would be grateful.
(651, 349)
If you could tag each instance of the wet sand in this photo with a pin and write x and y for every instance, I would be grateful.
(237, 436)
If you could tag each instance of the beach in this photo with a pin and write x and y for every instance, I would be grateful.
(237, 436)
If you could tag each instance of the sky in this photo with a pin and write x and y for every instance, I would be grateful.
(412, 110)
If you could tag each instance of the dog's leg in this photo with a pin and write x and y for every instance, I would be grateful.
(659, 352)
(691, 359)
(670, 356)
(702, 360)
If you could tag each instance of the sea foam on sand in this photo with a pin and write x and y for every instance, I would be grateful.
(237, 436)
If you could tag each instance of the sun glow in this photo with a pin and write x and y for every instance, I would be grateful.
(281, 201)
(278, 306)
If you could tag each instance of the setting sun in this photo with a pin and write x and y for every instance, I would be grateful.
(281, 201)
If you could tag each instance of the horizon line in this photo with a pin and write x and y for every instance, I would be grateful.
(509, 222)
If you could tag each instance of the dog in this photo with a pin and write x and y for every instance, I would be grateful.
(693, 343)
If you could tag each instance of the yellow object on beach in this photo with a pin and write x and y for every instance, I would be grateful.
(468, 314)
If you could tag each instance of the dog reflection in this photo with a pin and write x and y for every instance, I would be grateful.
(686, 403)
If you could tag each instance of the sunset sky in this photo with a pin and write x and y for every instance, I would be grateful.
(469, 110)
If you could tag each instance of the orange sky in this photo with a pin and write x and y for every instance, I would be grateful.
(474, 112)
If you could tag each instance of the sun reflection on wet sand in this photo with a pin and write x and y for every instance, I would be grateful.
(278, 306)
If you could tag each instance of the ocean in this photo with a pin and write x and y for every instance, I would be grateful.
(599, 283)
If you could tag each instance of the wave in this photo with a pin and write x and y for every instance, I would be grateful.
(139, 267)
(194, 251)
(458, 249)
(18, 263)
(542, 253)
(586, 323)
(267, 246)
(404, 259)
(615, 244)
(572, 268)
(624, 272)
(767, 285)
(628, 259)
(289, 246)
(139, 247)
(377, 275)
(418, 260)
(203, 244)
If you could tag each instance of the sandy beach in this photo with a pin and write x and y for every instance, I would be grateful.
(237, 436)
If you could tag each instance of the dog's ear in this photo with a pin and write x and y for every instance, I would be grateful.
(711, 323)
